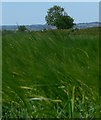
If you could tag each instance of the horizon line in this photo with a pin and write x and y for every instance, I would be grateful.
(44, 24)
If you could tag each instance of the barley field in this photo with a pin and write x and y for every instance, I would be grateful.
(50, 74)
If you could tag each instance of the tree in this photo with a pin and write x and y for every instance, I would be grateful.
(57, 16)
(64, 22)
(22, 28)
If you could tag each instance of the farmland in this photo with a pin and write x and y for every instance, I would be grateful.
(50, 74)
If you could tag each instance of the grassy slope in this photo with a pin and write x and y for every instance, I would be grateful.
(50, 64)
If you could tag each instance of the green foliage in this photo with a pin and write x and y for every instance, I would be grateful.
(51, 74)
(22, 28)
(53, 14)
(56, 16)
(64, 22)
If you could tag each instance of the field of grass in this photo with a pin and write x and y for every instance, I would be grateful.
(0, 74)
(51, 74)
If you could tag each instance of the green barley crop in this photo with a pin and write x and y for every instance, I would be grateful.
(50, 74)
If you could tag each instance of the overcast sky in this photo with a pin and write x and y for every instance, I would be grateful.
(35, 12)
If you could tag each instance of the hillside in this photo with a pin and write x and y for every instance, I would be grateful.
(51, 74)
(41, 27)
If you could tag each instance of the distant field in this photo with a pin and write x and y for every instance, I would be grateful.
(51, 74)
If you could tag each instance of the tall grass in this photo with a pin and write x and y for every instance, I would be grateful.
(0, 74)
(51, 74)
